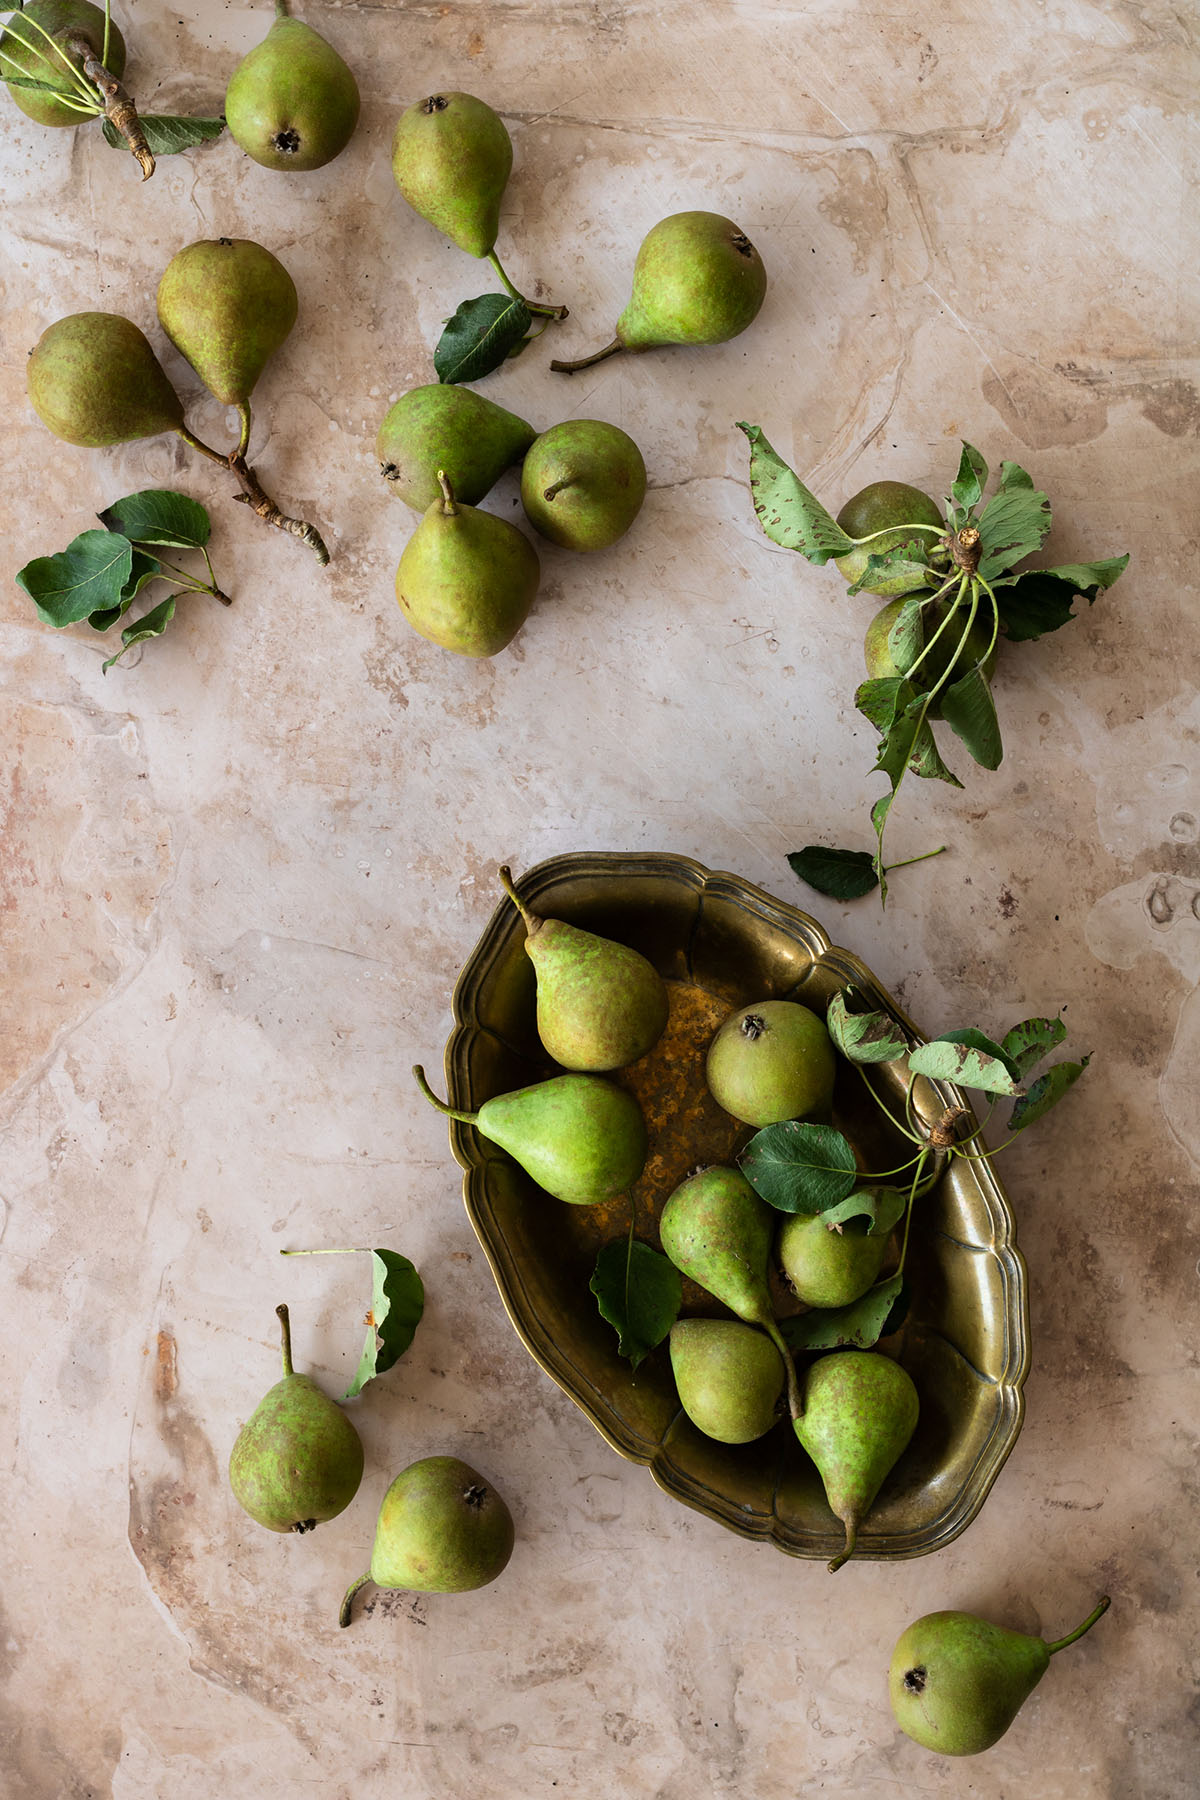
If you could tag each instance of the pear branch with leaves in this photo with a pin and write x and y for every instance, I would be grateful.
(953, 588)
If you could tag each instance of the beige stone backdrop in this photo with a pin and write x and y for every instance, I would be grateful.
(238, 876)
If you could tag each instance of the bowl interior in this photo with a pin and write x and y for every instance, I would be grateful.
(720, 944)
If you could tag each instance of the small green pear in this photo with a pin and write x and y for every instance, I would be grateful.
(772, 1061)
(580, 1137)
(886, 512)
(442, 1529)
(860, 1410)
(697, 280)
(730, 1378)
(956, 1682)
(292, 103)
(600, 1005)
(829, 1265)
(25, 53)
(227, 305)
(446, 426)
(94, 380)
(298, 1460)
(466, 579)
(451, 159)
(583, 483)
(717, 1231)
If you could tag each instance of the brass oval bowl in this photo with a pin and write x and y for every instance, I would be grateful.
(721, 944)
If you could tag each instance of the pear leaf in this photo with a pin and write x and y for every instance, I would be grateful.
(145, 568)
(842, 874)
(882, 1309)
(787, 512)
(159, 516)
(87, 577)
(397, 1303)
(1046, 1092)
(1041, 600)
(969, 1059)
(479, 336)
(896, 745)
(970, 712)
(906, 639)
(882, 1207)
(639, 1292)
(899, 561)
(799, 1168)
(1029, 1041)
(967, 489)
(1011, 526)
(151, 624)
(40, 87)
(925, 759)
(864, 1037)
(167, 133)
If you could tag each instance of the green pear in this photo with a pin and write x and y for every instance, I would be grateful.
(292, 103)
(580, 1137)
(957, 1683)
(697, 280)
(25, 53)
(583, 483)
(717, 1231)
(466, 579)
(860, 1410)
(227, 305)
(445, 426)
(298, 1460)
(886, 512)
(451, 158)
(600, 1004)
(772, 1061)
(94, 380)
(829, 1265)
(442, 1529)
(943, 658)
(730, 1378)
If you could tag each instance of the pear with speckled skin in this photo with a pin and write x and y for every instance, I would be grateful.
(292, 103)
(442, 1529)
(730, 1378)
(94, 381)
(466, 579)
(25, 53)
(860, 1410)
(227, 305)
(600, 1004)
(298, 1460)
(445, 426)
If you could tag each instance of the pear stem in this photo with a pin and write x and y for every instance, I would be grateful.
(586, 362)
(450, 1112)
(119, 108)
(285, 1334)
(795, 1399)
(195, 443)
(848, 1552)
(1099, 1612)
(253, 493)
(348, 1599)
(545, 312)
(449, 508)
(506, 882)
(281, 9)
(558, 486)
(244, 439)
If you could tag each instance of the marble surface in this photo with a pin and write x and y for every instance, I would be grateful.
(239, 874)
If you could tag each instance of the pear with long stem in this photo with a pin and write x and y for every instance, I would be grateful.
(62, 61)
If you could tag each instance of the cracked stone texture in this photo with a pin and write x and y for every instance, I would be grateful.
(239, 874)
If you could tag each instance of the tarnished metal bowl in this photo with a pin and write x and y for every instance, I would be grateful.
(721, 944)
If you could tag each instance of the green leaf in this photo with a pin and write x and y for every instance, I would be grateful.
(925, 759)
(799, 1168)
(968, 486)
(883, 1207)
(970, 712)
(41, 87)
(881, 1310)
(479, 337)
(397, 1303)
(787, 512)
(1029, 1041)
(1011, 526)
(159, 516)
(969, 1059)
(864, 1037)
(1041, 600)
(167, 133)
(151, 624)
(882, 698)
(88, 576)
(1012, 475)
(639, 1292)
(1046, 1092)
(906, 639)
(897, 744)
(842, 874)
(145, 568)
(897, 562)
